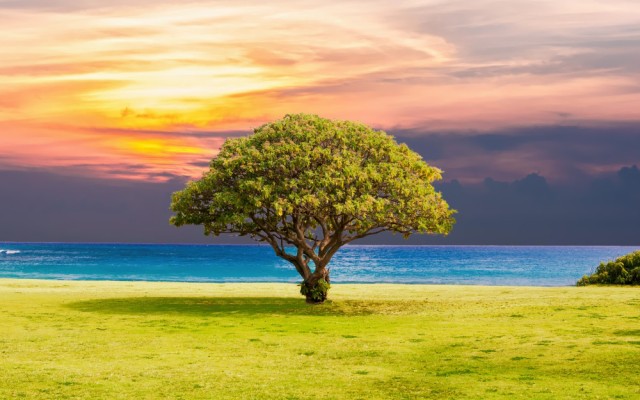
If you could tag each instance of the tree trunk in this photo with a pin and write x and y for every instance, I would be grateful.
(315, 287)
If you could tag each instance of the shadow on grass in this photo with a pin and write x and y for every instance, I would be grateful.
(211, 306)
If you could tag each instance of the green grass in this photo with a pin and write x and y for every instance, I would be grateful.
(93, 340)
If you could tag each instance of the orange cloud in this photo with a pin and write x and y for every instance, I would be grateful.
(82, 85)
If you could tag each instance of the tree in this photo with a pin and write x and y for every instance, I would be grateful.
(308, 186)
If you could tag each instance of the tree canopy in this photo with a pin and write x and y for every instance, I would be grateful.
(314, 185)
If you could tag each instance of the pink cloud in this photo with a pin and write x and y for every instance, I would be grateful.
(73, 79)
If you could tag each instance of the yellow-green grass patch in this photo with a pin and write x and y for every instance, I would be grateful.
(144, 340)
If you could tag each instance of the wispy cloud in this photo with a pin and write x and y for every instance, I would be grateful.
(80, 78)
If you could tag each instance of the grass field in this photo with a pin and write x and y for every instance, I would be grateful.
(139, 340)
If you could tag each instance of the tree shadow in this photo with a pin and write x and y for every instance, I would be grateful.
(212, 306)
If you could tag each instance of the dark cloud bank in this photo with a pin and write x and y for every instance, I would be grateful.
(531, 211)
(568, 206)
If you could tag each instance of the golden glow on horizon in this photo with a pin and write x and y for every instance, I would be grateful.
(157, 147)
(153, 83)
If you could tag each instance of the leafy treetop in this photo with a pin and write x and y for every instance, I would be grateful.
(315, 185)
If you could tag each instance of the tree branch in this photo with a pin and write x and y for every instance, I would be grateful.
(302, 241)
(372, 231)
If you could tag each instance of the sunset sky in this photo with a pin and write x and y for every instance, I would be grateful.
(533, 98)
(151, 90)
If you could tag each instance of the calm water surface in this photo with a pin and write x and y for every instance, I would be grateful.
(477, 265)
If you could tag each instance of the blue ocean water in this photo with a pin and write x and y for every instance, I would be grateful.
(479, 265)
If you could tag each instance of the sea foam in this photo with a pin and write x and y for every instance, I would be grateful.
(9, 252)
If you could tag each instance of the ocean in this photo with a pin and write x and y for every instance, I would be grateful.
(464, 265)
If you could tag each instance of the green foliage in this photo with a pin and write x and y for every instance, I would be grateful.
(313, 185)
(623, 270)
(318, 292)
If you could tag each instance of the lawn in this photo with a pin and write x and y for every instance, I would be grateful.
(142, 340)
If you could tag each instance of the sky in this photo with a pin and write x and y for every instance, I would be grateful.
(120, 102)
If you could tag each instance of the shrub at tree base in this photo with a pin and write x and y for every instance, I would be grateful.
(317, 293)
(623, 270)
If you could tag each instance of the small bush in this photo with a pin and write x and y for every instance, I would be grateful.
(318, 293)
(623, 270)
